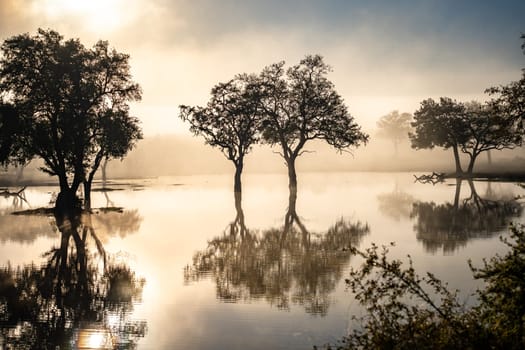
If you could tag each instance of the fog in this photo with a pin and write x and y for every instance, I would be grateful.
(167, 155)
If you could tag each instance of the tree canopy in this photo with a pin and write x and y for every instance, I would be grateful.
(300, 104)
(440, 124)
(487, 130)
(72, 100)
(230, 121)
(471, 128)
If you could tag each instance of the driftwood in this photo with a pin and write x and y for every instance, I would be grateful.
(434, 178)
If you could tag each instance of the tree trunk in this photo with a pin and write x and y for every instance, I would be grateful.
(104, 174)
(67, 202)
(292, 175)
(456, 195)
(457, 160)
(239, 219)
(87, 194)
(237, 186)
(456, 205)
(489, 157)
(471, 164)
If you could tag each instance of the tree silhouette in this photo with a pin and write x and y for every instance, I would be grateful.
(285, 266)
(440, 124)
(395, 126)
(453, 224)
(487, 130)
(300, 105)
(69, 300)
(10, 126)
(71, 101)
(230, 121)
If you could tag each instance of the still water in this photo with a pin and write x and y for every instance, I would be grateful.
(185, 265)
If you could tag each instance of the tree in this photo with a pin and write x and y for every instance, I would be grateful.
(117, 134)
(301, 105)
(230, 121)
(440, 124)
(395, 126)
(487, 130)
(64, 94)
(407, 311)
(10, 125)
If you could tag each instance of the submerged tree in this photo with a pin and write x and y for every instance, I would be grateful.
(395, 126)
(230, 121)
(300, 105)
(64, 94)
(440, 124)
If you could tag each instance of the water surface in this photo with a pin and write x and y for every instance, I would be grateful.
(204, 271)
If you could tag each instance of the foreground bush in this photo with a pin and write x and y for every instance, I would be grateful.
(408, 311)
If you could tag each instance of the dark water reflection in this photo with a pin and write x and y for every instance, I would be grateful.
(283, 266)
(79, 297)
(451, 225)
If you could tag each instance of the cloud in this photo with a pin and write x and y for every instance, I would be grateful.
(382, 51)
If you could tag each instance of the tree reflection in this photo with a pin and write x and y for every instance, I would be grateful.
(76, 297)
(285, 266)
(396, 204)
(451, 225)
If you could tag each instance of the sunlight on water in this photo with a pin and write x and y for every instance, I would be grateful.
(264, 271)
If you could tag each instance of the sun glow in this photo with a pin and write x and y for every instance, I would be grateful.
(95, 15)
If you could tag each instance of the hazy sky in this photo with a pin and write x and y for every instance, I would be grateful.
(385, 55)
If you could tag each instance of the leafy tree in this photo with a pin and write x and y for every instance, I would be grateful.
(440, 124)
(10, 125)
(117, 134)
(300, 105)
(65, 95)
(487, 130)
(395, 126)
(407, 311)
(230, 121)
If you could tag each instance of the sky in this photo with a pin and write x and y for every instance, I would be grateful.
(385, 55)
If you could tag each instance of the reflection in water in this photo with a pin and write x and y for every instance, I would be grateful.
(22, 229)
(283, 266)
(397, 204)
(77, 298)
(450, 225)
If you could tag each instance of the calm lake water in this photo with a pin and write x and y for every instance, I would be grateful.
(185, 268)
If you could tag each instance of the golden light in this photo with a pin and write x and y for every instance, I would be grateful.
(95, 15)
(94, 339)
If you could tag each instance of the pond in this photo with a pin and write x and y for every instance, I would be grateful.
(186, 265)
